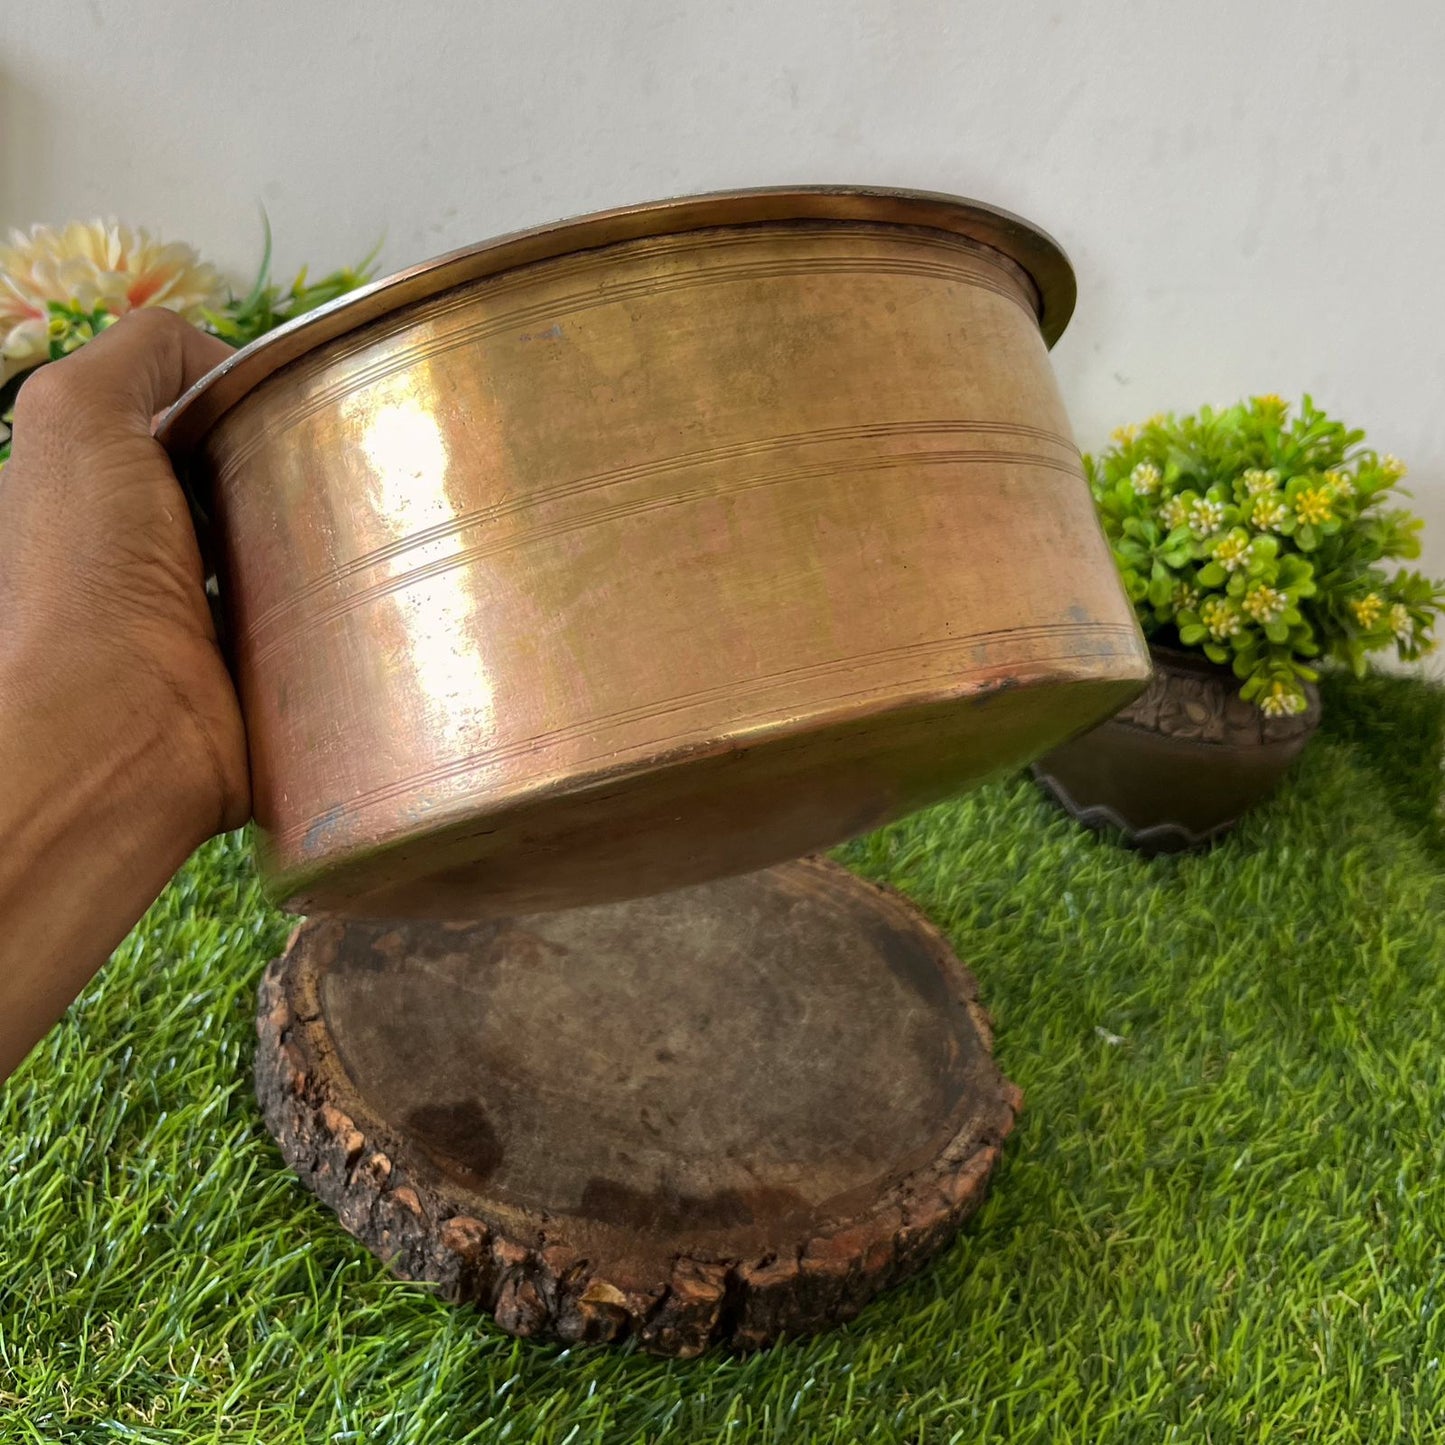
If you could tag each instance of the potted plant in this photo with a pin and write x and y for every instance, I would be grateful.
(1253, 542)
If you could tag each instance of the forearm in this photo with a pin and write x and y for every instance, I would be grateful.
(96, 815)
(121, 742)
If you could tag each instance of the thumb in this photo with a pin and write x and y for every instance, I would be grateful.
(133, 369)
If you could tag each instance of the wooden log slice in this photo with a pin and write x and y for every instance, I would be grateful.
(712, 1116)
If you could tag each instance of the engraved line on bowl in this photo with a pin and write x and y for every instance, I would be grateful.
(394, 361)
(523, 278)
(640, 507)
(733, 690)
(708, 456)
(576, 303)
(1034, 666)
(718, 239)
(571, 305)
(709, 241)
(604, 257)
(730, 237)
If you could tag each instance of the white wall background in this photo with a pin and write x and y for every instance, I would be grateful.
(1252, 192)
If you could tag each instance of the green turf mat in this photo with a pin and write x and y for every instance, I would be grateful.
(1222, 1218)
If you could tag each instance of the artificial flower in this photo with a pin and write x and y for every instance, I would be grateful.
(92, 266)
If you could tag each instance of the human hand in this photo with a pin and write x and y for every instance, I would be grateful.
(121, 744)
(106, 625)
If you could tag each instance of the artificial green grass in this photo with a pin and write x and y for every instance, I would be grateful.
(1222, 1218)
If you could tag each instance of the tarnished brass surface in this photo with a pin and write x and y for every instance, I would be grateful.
(651, 559)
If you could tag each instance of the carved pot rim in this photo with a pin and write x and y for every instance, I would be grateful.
(1193, 699)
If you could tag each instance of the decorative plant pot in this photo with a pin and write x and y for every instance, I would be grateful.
(1178, 767)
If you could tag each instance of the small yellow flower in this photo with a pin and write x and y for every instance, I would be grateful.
(1257, 483)
(1392, 466)
(1221, 617)
(1232, 552)
(1158, 419)
(1174, 513)
(1145, 479)
(1268, 513)
(1314, 505)
(1401, 623)
(1123, 435)
(1206, 517)
(1367, 610)
(1186, 598)
(1270, 402)
(1265, 603)
(1281, 700)
(1342, 485)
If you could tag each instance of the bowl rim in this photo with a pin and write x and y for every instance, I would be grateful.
(1041, 257)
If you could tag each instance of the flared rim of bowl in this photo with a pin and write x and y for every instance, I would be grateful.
(1032, 249)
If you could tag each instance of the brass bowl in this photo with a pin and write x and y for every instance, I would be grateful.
(636, 550)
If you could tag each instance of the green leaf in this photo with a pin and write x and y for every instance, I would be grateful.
(1212, 575)
(1193, 634)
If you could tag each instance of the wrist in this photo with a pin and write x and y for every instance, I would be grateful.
(97, 815)
(82, 742)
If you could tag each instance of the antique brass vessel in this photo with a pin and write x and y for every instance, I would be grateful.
(650, 547)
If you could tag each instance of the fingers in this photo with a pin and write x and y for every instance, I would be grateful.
(118, 382)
